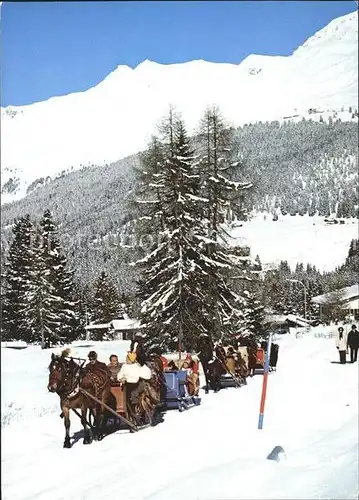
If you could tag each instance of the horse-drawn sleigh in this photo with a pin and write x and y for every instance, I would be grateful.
(229, 367)
(134, 405)
(182, 384)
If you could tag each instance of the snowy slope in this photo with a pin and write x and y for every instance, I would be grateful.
(210, 452)
(298, 239)
(116, 118)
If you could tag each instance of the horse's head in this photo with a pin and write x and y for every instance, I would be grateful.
(156, 363)
(60, 370)
(205, 346)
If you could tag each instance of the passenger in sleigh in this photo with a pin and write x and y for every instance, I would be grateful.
(231, 360)
(157, 351)
(131, 374)
(192, 369)
(94, 365)
(114, 367)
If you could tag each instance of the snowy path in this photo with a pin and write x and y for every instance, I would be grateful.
(210, 452)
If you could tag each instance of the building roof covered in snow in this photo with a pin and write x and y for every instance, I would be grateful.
(117, 325)
(346, 294)
(352, 305)
(125, 324)
(277, 319)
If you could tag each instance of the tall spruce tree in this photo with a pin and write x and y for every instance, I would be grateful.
(61, 278)
(217, 167)
(43, 303)
(170, 288)
(15, 310)
(53, 319)
(183, 281)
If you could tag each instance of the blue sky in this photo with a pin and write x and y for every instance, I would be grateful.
(55, 48)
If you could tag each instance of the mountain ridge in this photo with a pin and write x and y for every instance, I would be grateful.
(115, 118)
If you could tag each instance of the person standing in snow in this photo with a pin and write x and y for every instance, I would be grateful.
(353, 343)
(341, 342)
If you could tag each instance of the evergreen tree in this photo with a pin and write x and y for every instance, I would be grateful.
(184, 282)
(106, 303)
(248, 285)
(170, 286)
(60, 281)
(218, 168)
(15, 309)
(254, 315)
(43, 303)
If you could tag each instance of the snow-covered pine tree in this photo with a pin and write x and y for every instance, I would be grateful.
(148, 193)
(54, 286)
(43, 303)
(171, 284)
(15, 324)
(247, 285)
(106, 302)
(82, 299)
(218, 167)
(254, 314)
(62, 279)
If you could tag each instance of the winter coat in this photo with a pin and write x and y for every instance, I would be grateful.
(353, 339)
(98, 365)
(114, 370)
(132, 372)
(342, 343)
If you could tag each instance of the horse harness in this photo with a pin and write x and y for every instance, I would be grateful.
(76, 374)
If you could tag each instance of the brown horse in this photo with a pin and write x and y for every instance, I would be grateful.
(251, 345)
(213, 367)
(66, 380)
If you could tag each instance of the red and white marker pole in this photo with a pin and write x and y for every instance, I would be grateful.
(265, 381)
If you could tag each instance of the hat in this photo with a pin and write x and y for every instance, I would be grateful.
(131, 357)
(92, 355)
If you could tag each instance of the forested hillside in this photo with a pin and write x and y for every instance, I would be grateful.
(295, 167)
(306, 167)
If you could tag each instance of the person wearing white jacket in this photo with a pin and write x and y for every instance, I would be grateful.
(131, 371)
(341, 342)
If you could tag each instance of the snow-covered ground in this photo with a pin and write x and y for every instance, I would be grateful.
(297, 239)
(214, 451)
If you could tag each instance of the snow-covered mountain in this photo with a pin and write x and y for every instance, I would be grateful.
(116, 118)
